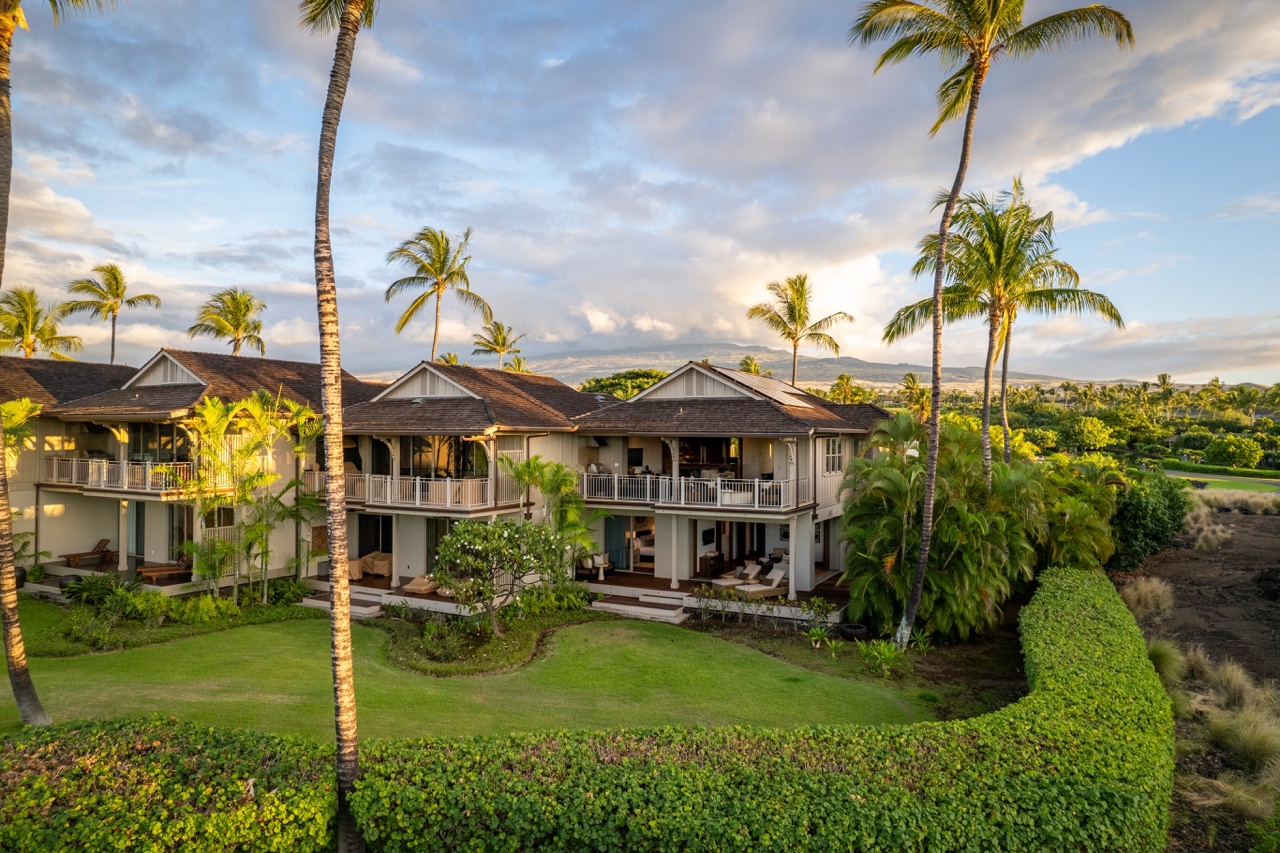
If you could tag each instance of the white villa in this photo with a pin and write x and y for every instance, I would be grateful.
(708, 470)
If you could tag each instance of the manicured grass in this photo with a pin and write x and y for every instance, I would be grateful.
(276, 678)
(1234, 484)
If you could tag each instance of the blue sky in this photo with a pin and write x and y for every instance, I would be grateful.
(636, 173)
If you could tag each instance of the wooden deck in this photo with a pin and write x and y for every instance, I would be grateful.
(838, 596)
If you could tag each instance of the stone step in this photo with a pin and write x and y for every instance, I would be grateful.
(634, 608)
(361, 608)
(663, 597)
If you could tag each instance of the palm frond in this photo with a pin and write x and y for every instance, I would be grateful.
(324, 16)
(1059, 30)
(953, 97)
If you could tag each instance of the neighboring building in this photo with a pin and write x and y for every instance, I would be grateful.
(710, 466)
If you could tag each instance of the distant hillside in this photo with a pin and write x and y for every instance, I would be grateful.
(578, 365)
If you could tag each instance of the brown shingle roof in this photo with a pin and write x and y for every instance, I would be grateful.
(721, 416)
(863, 416)
(226, 376)
(49, 382)
(509, 400)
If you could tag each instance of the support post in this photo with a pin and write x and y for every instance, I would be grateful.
(122, 559)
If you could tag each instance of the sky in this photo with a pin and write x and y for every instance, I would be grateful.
(637, 173)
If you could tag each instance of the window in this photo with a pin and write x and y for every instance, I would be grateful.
(833, 458)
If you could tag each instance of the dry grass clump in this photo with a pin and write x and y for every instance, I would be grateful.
(1255, 503)
(1199, 664)
(1250, 735)
(1168, 661)
(1148, 598)
(1233, 683)
(1209, 533)
(1180, 703)
(1252, 801)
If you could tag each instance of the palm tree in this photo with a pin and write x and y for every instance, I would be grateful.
(233, 315)
(497, 339)
(516, 365)
(449, 358)
(916, 397)
(788, 316)
(967, 35)
(106, 297)
(843, 390)
(24, 691)
(750, 365)
(347, 17)
(1002, 260)
(29, 326)
(435, 267)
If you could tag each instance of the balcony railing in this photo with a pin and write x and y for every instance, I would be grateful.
(687, 491)
(417, 492)
(114, 475)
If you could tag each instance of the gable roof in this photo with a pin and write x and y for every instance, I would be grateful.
(767, 407)
(495, 399)
(50, 382)
(863, 416)
(225, 376)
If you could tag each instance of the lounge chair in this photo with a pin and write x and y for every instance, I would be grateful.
(771, 586)
(99, 553)
(746, 575)
(420, 586)
(377, 563)
(154, 573)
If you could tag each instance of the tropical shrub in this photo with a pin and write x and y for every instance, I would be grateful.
(1195, 438)
(1233, 451)
(1045, 439)
(1084, 762)
(151, 607)
(1148, 516)
(1088, 433)
(286, 591)
(94, 589)
(203, 608)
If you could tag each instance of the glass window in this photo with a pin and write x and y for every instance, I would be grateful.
(834, 456)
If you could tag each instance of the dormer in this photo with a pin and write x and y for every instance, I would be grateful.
(694, 381)
(424, 382)
(163, 369)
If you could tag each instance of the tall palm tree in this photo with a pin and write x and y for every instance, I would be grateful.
(516, 365)
(498, 340)
(347, 17)
(448, 358)
(233, 315)
(435, 267)
(750, 365)
(1002, 260)
(105, 297)
(788, 314)
(916, 397)
(968, 36)
(844, 390)
(29, 326)
(24, 691)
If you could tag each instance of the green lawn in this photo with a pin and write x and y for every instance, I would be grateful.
(276, 678)
(1234, 484)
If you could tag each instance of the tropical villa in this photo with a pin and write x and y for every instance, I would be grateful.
(711, 476)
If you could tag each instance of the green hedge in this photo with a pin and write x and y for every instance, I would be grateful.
(1084, 762)
(1195, 468)
(161, 785)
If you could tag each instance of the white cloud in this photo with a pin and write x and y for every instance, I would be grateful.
(645, 323)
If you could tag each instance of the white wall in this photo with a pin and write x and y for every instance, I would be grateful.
(72, 522)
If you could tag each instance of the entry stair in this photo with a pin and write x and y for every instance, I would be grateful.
(361, 608)
(654, 606)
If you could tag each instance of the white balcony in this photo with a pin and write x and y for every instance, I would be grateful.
(388, 490)
(113, 475)
(690, 492)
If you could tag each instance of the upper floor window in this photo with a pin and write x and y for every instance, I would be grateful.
(833, 456)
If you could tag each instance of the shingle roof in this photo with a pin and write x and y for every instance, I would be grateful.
(510, 400)
(49, 382)
(226, 376)
(862, 416)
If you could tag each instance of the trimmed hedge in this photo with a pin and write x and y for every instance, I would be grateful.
(1085, 762)
(1196, 468)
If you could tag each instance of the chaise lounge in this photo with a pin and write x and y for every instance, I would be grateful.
(153, 574)
(771, 586)
(738, 577)
(100, 553)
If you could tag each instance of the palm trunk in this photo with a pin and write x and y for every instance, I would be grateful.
(795, 363)
(435, 336)
(993, 333)
(344, 689)
(113, 338)
(235, 346)
(903, 635)
(24, 690)
(1004, 394)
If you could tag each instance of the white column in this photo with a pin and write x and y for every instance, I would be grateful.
(123, 552)
(675, 546)
(795, 559)
(395, 550)
(802, 554)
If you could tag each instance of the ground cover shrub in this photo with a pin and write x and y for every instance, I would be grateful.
(94, 589)
(1149, 514)
(286, 591)
(160, 785)
(1084, 762)
(1148, 598)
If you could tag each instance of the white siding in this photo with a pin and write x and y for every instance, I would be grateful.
(166, 371)
(692, 382)
(425, 382)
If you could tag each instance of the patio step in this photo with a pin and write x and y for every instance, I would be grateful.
(361, 608)
(663, 597)
(635, 608)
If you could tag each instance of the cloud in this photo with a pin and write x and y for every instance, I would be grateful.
(1264, 205)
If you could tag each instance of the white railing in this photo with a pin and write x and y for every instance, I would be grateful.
(688, 491)
(424, 492)
(156, 477)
